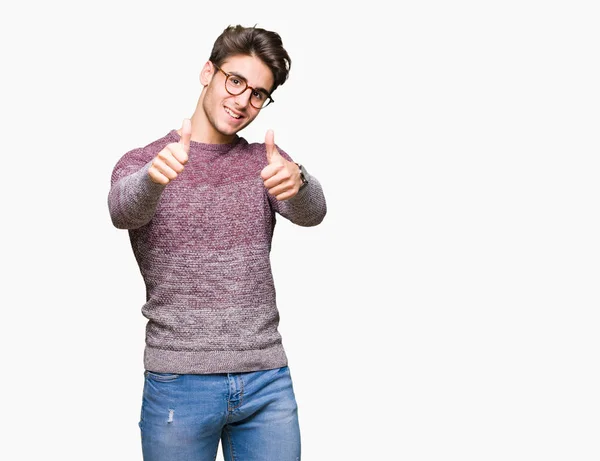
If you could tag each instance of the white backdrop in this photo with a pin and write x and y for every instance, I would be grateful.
(447, 307)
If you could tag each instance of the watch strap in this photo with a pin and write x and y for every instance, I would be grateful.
(303, 176)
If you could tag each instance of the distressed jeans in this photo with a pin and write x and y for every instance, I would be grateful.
(254, 415)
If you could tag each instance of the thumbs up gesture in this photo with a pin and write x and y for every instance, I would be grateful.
(169, 162)
(281, 177)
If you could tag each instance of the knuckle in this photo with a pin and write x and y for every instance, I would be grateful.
(158, 177)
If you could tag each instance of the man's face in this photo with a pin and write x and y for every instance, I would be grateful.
(226, 113)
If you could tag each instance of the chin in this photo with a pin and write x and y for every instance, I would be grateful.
(229, 130)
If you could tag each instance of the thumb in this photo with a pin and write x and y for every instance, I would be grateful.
(186, 134)
(272, 152)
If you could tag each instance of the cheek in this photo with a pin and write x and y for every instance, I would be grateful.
(212, 103)
(213, 94)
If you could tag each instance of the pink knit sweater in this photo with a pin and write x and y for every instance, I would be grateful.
(202, 244)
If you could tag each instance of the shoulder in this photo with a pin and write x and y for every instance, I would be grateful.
(259, 151)
(139, 156)
(156, 146)
(150, 150)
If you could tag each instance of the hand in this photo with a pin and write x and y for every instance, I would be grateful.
(170, 161)
(280, 177)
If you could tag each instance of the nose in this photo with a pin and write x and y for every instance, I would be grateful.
(243, 99)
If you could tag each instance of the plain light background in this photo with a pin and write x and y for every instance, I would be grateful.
(447, 306)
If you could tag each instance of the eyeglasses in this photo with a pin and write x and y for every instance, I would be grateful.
(236, 85)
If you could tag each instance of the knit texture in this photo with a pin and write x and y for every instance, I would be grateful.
(203, 244)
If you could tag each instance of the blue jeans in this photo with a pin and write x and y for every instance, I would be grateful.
(254, 415)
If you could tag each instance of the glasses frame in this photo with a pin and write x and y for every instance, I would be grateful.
(227, 75)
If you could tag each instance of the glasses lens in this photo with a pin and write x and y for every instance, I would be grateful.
(235, 85)
(259, 99)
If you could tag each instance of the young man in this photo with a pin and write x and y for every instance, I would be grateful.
(200, 206)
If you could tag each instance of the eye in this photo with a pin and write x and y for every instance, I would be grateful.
(235, 81)
(260, 95)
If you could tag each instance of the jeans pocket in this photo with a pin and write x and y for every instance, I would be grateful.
(161, 377)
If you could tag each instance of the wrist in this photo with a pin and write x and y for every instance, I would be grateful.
(303, 176)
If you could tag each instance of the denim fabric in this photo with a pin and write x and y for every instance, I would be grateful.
(254, 415)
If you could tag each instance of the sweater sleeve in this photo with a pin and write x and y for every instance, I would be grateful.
(133, 196)
(307, 208)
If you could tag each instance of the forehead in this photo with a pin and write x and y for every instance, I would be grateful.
(255, 71)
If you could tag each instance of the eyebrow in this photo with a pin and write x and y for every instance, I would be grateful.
(246, 80)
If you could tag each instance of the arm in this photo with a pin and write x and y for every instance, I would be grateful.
(139, 178)
(133, 195)
(307, 208)
(304, 206)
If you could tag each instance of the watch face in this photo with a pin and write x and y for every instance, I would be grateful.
(302, 175)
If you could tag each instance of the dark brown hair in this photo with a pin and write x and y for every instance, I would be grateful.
(253, 41)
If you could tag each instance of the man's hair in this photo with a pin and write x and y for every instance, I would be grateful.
(253, 41)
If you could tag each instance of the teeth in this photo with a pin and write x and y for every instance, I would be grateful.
(232, 114)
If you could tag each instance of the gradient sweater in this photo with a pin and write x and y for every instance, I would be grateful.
(203, 245)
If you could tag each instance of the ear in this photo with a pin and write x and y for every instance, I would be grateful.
(206, 74)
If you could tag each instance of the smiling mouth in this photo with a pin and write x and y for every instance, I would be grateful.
(231, 113)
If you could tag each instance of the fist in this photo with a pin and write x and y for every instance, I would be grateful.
(169, 162)
(281, 177)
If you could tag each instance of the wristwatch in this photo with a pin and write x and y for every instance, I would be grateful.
(303, 175)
